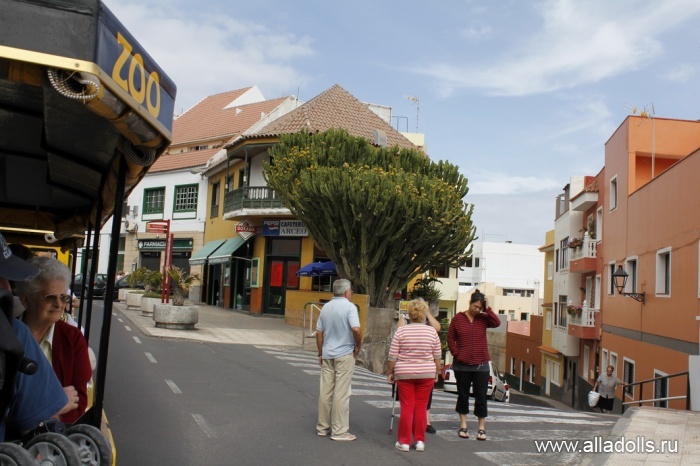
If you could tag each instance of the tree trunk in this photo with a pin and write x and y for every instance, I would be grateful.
(379, 328)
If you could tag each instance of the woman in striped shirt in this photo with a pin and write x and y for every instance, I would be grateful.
(466, 339)
(414, 363)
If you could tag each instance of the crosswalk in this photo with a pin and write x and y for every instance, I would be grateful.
(507, 422)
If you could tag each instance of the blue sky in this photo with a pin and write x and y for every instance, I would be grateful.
(519, 94)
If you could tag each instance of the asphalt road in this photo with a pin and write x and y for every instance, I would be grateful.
(179, 402)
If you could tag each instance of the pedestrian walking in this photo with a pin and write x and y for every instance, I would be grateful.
(433, 322)
(607, 383)
(414, 364)
(466, 339)
(338, 340)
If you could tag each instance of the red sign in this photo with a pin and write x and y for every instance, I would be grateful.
(156, 227)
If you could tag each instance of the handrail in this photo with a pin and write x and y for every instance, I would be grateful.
(312, 333)
(651, 400)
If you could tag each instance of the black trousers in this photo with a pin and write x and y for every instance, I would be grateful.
(480, 381)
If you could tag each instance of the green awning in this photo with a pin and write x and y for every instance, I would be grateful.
(223, 254)
(200, 257)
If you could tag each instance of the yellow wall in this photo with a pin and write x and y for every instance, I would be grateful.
(218, 228)
(296, 302)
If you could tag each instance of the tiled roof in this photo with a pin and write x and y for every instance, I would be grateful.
(210, 119)
(334, 108)
(182, 160)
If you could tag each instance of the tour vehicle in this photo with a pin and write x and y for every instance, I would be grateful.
(84, 113)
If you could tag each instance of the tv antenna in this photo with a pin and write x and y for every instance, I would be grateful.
(416, 101)
(647, 113)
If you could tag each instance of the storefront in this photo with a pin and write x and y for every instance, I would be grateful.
(229, 274)
(151, 251)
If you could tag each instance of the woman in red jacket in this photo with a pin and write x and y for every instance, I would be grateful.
(44, 298)
(466, 339)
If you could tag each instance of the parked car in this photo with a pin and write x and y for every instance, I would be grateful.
(498, 389)
(122, 283)
(98, 286)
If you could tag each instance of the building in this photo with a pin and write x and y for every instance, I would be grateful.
(523, 359)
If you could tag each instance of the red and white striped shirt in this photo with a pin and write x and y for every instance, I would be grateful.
(415, 347)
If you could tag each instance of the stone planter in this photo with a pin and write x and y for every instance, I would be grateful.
(133, 300)
(175, 317)
(147, 305)
(123, 292)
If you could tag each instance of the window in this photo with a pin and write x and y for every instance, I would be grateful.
(524, 315)
(532, 373)
(564, 255)
(215, 200)
(613, 193)
(560, 319)
(663, 272)
(186, 198)
(613, 362)
(513, 365)
(548, 320)
(476, 262)
(603, 362)
(628, 377)
(550, 270)
(502, 311)
(556, 369)
(153, 200)
(229, 184)
(596, 292)
(511, 315)
(200, 147)
(611, 279)
(631, 269)
(599, 224)
(440, 272)
(660, 389)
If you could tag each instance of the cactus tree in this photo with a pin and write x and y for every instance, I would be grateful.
(382, 214)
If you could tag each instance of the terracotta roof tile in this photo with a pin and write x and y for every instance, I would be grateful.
(182, 160)
(334, 108)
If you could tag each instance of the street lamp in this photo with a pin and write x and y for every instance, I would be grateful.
(620, 280)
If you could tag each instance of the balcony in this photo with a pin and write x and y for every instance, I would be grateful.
(251, 201)
(585, 325)
(582, 258)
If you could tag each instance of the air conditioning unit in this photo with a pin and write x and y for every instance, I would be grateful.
(130, 224)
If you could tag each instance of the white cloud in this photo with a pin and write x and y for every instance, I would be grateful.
(680, 74)
(579, 43)
(476, 34)
(205, 54)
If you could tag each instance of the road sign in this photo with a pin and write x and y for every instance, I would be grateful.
(156, 227)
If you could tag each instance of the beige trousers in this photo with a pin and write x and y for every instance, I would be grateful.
(334, 395)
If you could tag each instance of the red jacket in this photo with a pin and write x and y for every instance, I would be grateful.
(71, 364)
(467, 340)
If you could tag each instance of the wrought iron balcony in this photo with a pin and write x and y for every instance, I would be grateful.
(251, 200)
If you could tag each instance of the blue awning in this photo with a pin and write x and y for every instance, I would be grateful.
(200, 257)
(224, 253)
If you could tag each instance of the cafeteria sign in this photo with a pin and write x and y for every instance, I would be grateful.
(284, 228)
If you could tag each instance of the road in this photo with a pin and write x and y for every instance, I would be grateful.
(189, 403)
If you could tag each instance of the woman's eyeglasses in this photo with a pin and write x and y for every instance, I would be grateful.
(61, 298)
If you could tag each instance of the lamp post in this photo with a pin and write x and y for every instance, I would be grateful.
(620, 280)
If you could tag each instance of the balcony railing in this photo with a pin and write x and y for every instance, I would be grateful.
(586, 318)
(587, 250)
(252, 197)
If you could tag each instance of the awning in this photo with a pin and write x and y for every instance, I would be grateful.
(223, 254)
(200, 257)
(548, 349)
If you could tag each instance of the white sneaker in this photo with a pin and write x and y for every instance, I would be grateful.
(420, 446)
(402, 446)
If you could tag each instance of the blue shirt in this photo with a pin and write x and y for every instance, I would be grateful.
(38, 396)
(336, 321)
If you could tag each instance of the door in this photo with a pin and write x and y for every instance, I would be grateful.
(548, 377)
(281, 275)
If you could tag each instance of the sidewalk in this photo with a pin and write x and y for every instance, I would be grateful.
(217, 325)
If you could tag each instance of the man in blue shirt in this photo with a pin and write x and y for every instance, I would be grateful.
(338, 340)
(25, 400)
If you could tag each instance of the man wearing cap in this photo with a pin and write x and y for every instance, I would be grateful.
(28, 399)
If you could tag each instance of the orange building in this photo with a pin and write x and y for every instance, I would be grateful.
(651, 230)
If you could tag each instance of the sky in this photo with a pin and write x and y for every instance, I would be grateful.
(520, 95)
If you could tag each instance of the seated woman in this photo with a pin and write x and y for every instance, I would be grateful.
(44, 298)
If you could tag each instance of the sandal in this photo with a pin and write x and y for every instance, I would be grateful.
(481, 435)
(463, 433)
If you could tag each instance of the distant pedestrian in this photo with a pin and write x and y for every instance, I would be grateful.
(414, 364)
(607, 383)
(338, 340)
(466, 339)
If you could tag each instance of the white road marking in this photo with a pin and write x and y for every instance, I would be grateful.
(302, 364)
(199, 419)
(120, 320)
(150, 357)
(524, 458)
(136, 339)
(173, 387)
(128, 329)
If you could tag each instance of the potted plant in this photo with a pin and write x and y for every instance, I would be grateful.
(573, 310)
(591, 228)
(177, 315)
(575, 242)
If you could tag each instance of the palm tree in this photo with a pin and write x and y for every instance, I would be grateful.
(182, 282)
